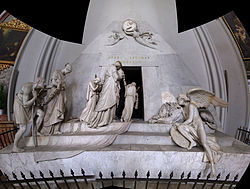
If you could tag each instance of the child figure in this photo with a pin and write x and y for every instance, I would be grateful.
(131, 101)
(92, 98)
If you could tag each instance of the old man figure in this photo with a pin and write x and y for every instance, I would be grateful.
(25, 109)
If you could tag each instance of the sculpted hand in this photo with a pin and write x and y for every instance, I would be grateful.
(176, 125)
(59, 84)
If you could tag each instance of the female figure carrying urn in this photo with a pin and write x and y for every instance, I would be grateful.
(109, 96)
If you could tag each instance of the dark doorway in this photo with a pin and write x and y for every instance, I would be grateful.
(132, 74)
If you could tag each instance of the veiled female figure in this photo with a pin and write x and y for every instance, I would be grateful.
(131, 101)
(109, 96)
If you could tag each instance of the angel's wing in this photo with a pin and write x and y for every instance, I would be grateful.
(204, 98)
(208, 118)
(114, 38)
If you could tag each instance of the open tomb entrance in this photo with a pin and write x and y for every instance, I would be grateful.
(132, 74)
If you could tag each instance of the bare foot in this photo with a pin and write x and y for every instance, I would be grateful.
(192, 144)
(57, 132)
(212, 169)
(39, 134)
(16, 149)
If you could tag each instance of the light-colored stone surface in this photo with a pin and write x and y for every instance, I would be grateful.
(148, 138)
(77, 133)
(56, 100)
(200, 59)
(160, 68)
(82, 135)
(144, 147)
(117, 158)
(202, 50)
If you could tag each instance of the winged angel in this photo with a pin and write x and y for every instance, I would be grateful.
(192, 131)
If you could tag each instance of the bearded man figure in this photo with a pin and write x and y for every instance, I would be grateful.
(25, 109)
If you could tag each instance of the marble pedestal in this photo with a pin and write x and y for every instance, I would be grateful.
(143, 147)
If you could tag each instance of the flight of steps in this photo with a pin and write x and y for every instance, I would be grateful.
(143, 147)
(145, 133)
(139, 133)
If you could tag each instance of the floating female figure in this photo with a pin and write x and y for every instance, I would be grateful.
(92, 98)
(131, 101)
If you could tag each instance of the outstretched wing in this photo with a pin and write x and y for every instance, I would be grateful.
(204, 98)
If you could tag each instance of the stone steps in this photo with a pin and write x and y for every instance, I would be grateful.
(234, 160)
(65, 140)
(147, 138)
(146, 127)
(145, 133)
(139, 133)
(130, 137)
(135, 126)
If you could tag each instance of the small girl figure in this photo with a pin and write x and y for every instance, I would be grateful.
(92, 98)
(131, 101)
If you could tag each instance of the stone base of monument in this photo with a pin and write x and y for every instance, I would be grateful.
(144, 147)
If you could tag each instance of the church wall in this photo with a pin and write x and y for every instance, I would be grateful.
(68, 52)
(26, 65)
(161, 16)
(200, 52)
(230, 61)
(39, 56)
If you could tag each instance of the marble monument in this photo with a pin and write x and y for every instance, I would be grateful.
(86, 131)
(27, 108)
(54, 114)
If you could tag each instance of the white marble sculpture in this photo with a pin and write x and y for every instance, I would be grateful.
(114, 38)
(130, 29)
(192, 132)
(131, 102)
(27, 108)
(109, 96)
(170, 112)
(92, 98)
(54, 114)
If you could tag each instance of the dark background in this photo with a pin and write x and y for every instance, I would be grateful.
(65, 19)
